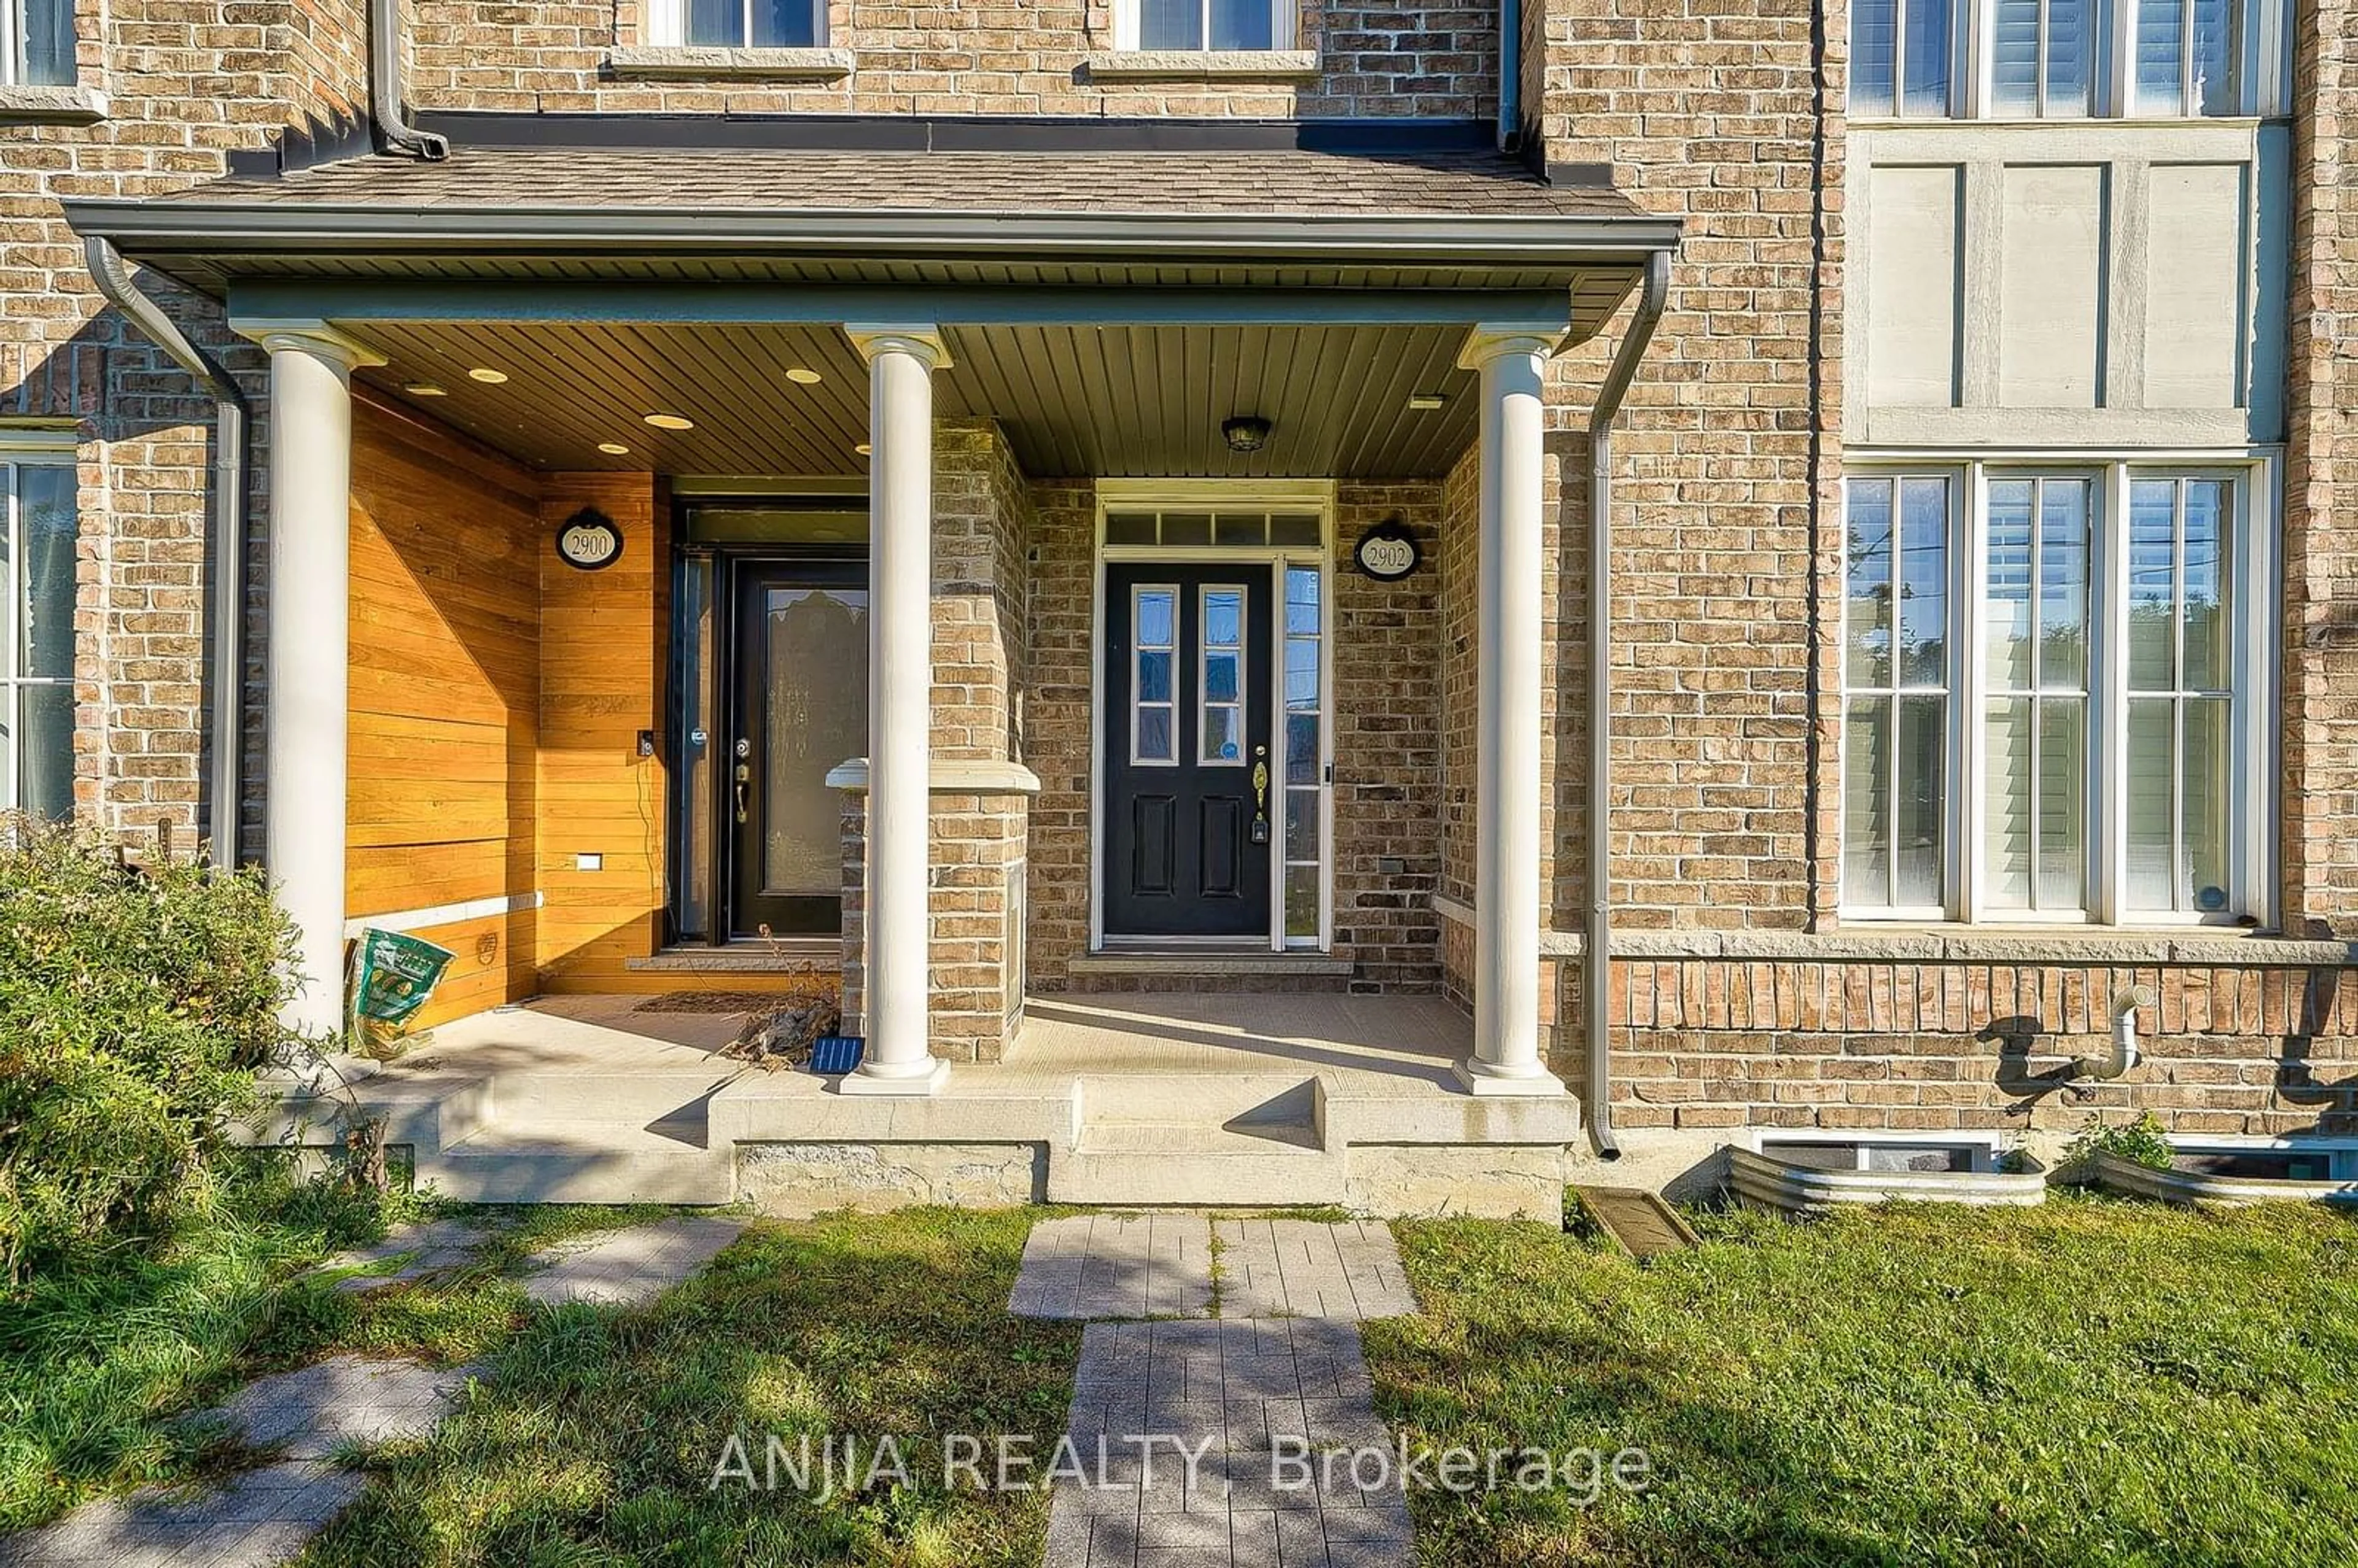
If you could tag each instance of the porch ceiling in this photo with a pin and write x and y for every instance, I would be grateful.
(1128, 401)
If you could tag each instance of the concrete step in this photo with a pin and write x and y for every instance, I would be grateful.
(1198, 1099)
(548, 1162)
(632, 1099)
(1197, 1139)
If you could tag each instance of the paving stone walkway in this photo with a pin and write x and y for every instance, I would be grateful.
(1098, 1266)
(1224, 1443)
(415, 1251)
(631, 1268)
(265, 1516)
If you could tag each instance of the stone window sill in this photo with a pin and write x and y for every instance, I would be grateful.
(51, 105)
(1203, 65)
(696, 63)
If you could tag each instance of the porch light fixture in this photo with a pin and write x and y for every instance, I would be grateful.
(803, 377)
(426, 389)
(1246, 433)
(671, 421)
(487, 375)
(1426, 402)
(614, 449)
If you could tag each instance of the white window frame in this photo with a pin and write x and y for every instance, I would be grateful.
(667, 25)
(2263, 90)
(1139, 649)
(20, 449)
(2255, 476)
(1302, 497)
(1284, 26)
(15, 33)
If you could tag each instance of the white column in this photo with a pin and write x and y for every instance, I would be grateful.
(308, 641)
(900, 363)
(1507, 847)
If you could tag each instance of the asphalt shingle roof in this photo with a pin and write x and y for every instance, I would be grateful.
(1475, 184)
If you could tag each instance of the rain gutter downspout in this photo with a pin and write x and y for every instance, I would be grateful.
(1597, 950)
(229, 413)
(1510, 71)
(387, 119)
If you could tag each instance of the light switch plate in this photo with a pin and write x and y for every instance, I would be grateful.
(590, 862)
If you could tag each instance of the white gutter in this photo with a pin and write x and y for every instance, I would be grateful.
(228, 544)
(1596, 958)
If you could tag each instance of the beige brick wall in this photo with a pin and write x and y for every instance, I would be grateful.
(187, 81)
(980, 521)
(1422, 57)
(1924, 1047)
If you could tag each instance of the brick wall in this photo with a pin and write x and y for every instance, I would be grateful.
(1922, 1047)
(1424, 57)
(980, 523)
(2319, 778)
(186, 83)
(1064, 536)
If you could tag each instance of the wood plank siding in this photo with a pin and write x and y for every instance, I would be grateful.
(497, 697)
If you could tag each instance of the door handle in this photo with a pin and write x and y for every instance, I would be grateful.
(1260, 796)
(744, 775)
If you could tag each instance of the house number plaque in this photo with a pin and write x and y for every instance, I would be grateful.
(589, 540)
(1388, 552)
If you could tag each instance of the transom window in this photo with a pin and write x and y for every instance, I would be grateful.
(36, 43)
(740, 24)
(36, 629)
(1204, 25)
(2049, 694)
(2056, 59)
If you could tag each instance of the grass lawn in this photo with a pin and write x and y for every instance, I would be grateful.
(2092, 1382)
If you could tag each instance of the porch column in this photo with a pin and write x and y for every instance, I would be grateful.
(309, 591)
(1507, 906)
(901, 362)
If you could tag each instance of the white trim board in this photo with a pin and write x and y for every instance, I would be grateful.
(407, 920)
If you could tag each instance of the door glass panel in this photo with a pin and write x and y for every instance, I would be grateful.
(698, 732)
(818, 716)
(1223, 720)
(1153, 706)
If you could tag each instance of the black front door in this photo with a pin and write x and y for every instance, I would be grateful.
(1187, 804)
(799, 708)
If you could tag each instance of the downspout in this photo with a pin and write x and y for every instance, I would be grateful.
(387, 119)
(1597, 950)
(1510, 71)
(230, 412)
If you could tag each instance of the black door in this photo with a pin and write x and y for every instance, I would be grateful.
(799, 708)
(1186, 814)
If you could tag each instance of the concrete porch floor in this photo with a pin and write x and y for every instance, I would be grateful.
(1158, 1099)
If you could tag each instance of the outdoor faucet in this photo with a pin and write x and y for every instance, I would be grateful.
(2123, 1053)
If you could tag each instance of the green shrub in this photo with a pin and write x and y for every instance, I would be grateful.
(2140, 1142)
(135, 1006)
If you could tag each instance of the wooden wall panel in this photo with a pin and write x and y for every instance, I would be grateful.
(445, 694)
(602, 643)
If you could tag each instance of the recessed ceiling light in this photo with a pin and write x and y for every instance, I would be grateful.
(671, 421)
(1428, 400)
(487, 375)
(425, 389)
(802, 377)
(614, 449)
(864, 449)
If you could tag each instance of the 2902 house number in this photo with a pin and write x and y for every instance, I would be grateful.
(589, 540)
(1388, 552)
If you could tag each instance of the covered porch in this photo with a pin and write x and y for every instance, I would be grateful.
(1184, 1099)
(1186, 562)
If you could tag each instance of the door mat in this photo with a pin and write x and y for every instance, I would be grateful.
(708, 1001)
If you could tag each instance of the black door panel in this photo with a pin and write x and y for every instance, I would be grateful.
(1187, 726)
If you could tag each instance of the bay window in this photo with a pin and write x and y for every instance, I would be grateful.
(2067, 59)
(2049, 696)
